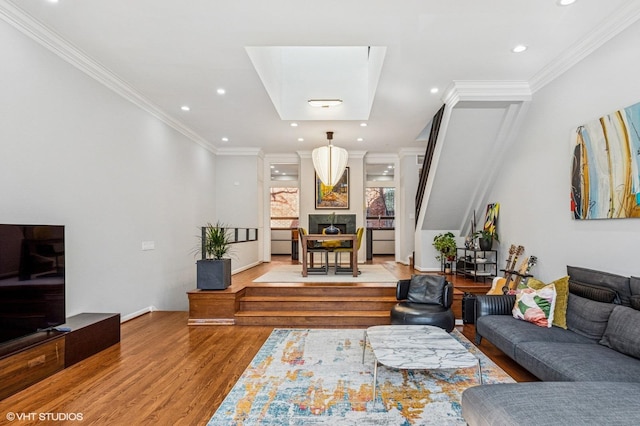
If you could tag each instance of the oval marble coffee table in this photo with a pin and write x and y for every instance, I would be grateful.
(416, 347)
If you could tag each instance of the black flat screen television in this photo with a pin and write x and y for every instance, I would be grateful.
(32, 279)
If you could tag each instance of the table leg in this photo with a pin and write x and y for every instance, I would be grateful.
(303, 241)
(364, 344)
(354, 257)
(480, 371)
(375, 379)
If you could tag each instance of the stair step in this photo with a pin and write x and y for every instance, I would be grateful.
(312, 318)
(312, 313)
(317, 299)
(316, 303)
(321, 291)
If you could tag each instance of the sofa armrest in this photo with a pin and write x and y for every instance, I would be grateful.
(501, 304)
(402, 289)
(447, 295)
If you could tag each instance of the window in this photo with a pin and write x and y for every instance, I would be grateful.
(284, 208)
(381, 207)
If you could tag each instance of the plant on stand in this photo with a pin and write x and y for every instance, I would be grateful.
(486, 238)
(446, 246)
(214, 269)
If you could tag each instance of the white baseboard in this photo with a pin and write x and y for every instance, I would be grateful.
(244, 268)
(417, 268)
(138, 313)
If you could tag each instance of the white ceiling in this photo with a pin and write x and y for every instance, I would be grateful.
(174, 52)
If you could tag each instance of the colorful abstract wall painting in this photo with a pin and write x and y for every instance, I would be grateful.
(605, 178)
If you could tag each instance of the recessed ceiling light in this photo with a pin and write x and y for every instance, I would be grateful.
(565, 2)
(276, 171)
(300, 139)
(185, 108)
(273, 167)
(225, 139)
(53, 1)
(221, 91)
(359, 139)
(519, 48)
(294, 124)
(434, 90)
(324, 103)
(389, 166)
(363, 124)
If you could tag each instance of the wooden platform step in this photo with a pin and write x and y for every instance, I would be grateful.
(313, 318)
(310, 303)
(321, 290)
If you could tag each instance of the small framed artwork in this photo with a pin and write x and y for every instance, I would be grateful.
(333, 198)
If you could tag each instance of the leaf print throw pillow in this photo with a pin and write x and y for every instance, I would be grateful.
(536, 306)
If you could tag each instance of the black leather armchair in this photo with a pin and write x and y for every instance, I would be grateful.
(424, 300)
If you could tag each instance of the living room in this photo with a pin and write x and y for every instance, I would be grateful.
(115, 174)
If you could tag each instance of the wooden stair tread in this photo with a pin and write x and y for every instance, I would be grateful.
(312, 313)
(317, 299)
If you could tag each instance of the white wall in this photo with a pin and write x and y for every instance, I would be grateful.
(407, 178)
(240, 201)
(74, 153)
(534, 188)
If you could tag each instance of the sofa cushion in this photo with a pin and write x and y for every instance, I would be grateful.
(552, 361)
(534, 404)
(426, 289)
(505, 333)
(617, 283)
(536, 306)
(634, 284)
(598, 294)
(623, 331)
(587, 317)
(635, 302)
(562, 298)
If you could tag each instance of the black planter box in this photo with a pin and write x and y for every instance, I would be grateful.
(213, 274)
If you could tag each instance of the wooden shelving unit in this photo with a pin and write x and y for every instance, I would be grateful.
(477, 264)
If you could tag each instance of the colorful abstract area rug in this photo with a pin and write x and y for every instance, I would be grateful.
(317, 377)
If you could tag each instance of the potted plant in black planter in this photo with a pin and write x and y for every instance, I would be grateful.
(214, 269)
(446, 246)
(485, 238)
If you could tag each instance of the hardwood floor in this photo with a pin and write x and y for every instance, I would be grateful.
(165, 372)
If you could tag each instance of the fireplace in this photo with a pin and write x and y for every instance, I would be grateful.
(346, 223)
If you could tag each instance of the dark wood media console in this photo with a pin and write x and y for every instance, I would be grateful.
(28, 360)
(90, 334)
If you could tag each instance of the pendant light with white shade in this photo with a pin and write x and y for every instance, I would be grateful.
(329, 162)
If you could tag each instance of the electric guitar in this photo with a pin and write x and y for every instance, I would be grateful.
(499, 282)
(525, 267)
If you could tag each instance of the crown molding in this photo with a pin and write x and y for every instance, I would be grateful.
(380, 158)
(256, 152)
(357, 154)
(53, 42)
(352, 154)
(282, 158)
(486, 91)
(614, 24)
(406, 152)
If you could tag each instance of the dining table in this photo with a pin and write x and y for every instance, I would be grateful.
(305, 239)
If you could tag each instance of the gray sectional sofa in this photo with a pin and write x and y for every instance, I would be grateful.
(590, 371)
